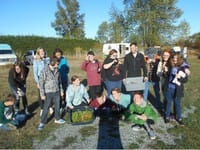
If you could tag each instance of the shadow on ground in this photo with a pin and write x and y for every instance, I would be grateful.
(109, 135)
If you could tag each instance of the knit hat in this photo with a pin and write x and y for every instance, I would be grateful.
(90, 53)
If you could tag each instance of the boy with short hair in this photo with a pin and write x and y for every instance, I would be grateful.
(92, 67)
(8, 119)
(50, 91)
(142, 114)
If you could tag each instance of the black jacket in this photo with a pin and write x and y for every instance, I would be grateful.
(17, 82)
(133, 65)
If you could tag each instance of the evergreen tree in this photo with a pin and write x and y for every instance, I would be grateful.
(69, 23)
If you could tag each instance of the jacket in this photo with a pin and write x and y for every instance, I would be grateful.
(17, 82)
(179, 89)
(93, 72)
(76, 97)
(49, 82)
(133, 65)
(125, 100)
(135, 110)
(3, 119)
(115, 72)
(38, 66)
(63, 68)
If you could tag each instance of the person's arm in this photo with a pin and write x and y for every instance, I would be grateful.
(69, 96)
(12, 82)
(130, 115)
(144, 67)
(85, 94)
(159, 71)
(109, 65)
(67, 66)
(84, 65)
(35, 71)
(150, 113)
(60, 85)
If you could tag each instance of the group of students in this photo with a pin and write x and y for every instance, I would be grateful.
(51, 76)
(168, 72)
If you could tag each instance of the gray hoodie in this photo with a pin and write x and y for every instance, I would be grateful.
(49, 81)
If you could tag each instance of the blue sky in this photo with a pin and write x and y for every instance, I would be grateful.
(34, 17)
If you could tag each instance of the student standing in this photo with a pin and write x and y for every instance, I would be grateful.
(63, 68)
(39, 62)
(176, 92)
(113, 72)
(50, 91)
(93, 68)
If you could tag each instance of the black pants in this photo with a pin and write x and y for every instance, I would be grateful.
(93, 90)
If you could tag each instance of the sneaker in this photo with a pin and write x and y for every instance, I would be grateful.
(40, 126)
(41, 112)
(60, 121)
(180, 121)
(152, 135)
(136, 127)
(51, 110)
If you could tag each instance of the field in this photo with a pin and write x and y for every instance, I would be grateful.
(23, 137)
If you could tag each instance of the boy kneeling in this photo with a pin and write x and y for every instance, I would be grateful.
(9, 120)
(142, 115)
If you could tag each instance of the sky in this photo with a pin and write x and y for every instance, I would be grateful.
(34, 17)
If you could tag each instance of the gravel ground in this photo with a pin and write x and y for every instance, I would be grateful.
(107, 134)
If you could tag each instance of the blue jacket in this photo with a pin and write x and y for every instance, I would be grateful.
(38, 66)
(64, 70)
(76, 97)
(125, 100)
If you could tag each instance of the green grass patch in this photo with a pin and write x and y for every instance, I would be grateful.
(66, 142)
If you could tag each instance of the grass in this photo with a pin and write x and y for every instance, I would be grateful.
(23, 138)
(66, 142)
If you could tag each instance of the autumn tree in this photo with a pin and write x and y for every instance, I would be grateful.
(69, 23)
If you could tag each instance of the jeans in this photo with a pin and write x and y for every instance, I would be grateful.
(156, 87)
(112, 84)
(40, 101)
(19, 118)
(177, 103)
(51, 98)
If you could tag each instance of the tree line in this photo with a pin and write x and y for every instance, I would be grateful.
(69, 46)
(148, 22)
